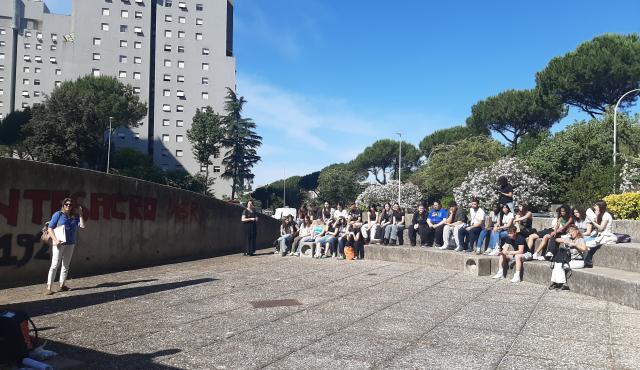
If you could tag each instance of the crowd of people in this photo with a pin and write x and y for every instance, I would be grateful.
(506, 231)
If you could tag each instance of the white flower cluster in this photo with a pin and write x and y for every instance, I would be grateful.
(482, 184)
(630, 176)
(410, 195)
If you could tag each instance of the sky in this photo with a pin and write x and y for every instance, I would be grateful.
(324, 79)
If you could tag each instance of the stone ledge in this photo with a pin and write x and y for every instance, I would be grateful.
(624, 256)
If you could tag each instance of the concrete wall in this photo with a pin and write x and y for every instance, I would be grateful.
(629, 227)
(132, 223)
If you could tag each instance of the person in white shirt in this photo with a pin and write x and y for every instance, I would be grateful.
(340, 212)
(603, 223)
(499, 232)
(468, 235)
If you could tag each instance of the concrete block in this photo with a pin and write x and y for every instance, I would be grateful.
(625, 256)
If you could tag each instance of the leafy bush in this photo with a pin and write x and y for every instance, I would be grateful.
(630, 176)
(482, 183)
(592, 183)
(625, 206)
(377, 194)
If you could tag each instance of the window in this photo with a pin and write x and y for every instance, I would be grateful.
(180, 93)
(53, 60)
(25, 94)
(198, 36)
(54, 37)
(54, 47)
(123, 59)
(216, 169)
(58, 83)
(25, 69)
(199, 21)
(137, 30)
(167, 33)
(138, 15)
(96, 56)
(136, 136)
(137, 75)
(181, 64)
(95, 72)
(216, 153)
(168, 4)
(105, 26)
(180, 79)
(205, 80)
(167, 63)
(205, 66)
(179, 138)
(182, 20)
(205, 96)
(39, 35)
(124, 13)
(181, 34)
(123, 43)
(27, 45)
(168, 18)
(38, 59)
(36, 82)
(180, 49)
(27, 34)
(36, 70)
(137, 45)
(141, 2)
(165, 138)
(38, 46)
(205, 51)
(105, 11)
(165, 122)
(122, 74)
(182, 5)
(199, 7)
(166, 108)
(98, 41)
(167, 78)
(179, 153)
(203, 168)
(25, 81)
(123, 28)
(137, 60)
(36, 94)
(167, 48)
(179, 123)
(58, 72)
(179, 108)
(25, 105)
(136, 90)
(166, 92)
(1, 56)
(3, 31)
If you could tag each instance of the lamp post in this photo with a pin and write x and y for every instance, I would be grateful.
(399, 163)
(109, 147)
(284, 187)
(615, 132)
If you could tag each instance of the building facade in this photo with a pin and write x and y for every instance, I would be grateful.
(176, 54)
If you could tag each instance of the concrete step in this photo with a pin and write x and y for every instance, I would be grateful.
(624, 256)
(611, 284)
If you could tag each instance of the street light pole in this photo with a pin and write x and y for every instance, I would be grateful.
(109, 148)
(284, 187)
(399, 164)
(615, 133)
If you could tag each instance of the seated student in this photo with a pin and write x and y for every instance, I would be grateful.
(578, 250)
(419, 226)
(523, 220)
(355, 240)
(302, 213)
(342, 229)
(386, 221)
(326, 239)
(456, 220)
(355, 216)
(435, 220)
(304, 233)
(340, 212)
(499, 232)
(468, 235)
(603, 224)
(582, 223)
(315, 232)
(515, 246)
(493, 220)
(288, 231)
(564, 221)
(326, 212)
(397, 226)
(372, 225)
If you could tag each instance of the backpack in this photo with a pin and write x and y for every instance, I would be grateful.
(15, 340)
(44, 236)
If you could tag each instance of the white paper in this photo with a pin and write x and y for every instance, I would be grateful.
(60, 234)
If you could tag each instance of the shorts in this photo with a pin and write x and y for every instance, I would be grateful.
(544, 232)
(525, 257)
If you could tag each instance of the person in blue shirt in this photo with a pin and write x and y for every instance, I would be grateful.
(62, 249)
(436, 220)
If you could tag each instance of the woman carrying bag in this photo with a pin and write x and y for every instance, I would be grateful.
(63, 229)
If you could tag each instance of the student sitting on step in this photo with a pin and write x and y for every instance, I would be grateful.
(562, 221)
(457, 220)
(515, 247)
(578, 251)
(419, 226)
(469, 235)
(435, 221)
(372, 225)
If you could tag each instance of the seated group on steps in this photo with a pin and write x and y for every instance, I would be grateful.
(506, 232)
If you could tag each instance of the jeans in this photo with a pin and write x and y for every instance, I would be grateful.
(451, 232)
(285, 241)
(387, 231)
(469, 239)
(396, 233)
(60, 253)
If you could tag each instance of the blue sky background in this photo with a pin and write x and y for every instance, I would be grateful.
(326, 78)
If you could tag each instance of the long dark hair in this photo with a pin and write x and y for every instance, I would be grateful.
(602, 207)
(503, 181)
(502, 214)
(567, 212)
(581, 211)
(525, 209)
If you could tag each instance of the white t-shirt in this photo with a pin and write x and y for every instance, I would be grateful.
(337, 214)
(476, 216)
(606, 218)
(507, 218)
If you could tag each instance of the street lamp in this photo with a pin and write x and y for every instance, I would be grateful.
(615, 132)
(399, 163)
(109, 148)
(284, 187)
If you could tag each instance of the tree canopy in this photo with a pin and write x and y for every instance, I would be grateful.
(514, 113)
(449, 136)
(380, 159)
(71, 126)
(11, 134)
(596, 74)
(340, 183)
(205, 135)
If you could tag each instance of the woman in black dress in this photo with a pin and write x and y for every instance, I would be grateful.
(250, 220)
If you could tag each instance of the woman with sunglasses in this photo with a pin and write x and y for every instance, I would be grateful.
(62, 250)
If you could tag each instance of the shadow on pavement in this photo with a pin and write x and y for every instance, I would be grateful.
(74, 357)
(115, 284)
(70, 302)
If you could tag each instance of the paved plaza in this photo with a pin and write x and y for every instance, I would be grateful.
(353, 314)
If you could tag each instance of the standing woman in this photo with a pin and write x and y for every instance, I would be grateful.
(63, 249)
(505, 192)
(250, 220)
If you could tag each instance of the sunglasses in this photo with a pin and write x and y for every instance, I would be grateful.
(68, 204)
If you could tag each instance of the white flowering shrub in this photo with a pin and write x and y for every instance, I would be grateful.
(377, 194)
(630, 176)
(482, 184)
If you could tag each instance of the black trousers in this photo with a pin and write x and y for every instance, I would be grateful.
(434, 233)
(251, 231)
(422, 231)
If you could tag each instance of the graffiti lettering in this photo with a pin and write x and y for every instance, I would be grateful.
(185, 212)
(10, 211)
(26, 241)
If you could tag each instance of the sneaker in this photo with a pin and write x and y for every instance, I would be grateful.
(564, 287)
(535, 256)
(458, 249)
(553, 286)
(499, 274)
(549, 255)
(541, 258)
(296, 254)
(516, 277)
(290, 254)
(495, 252)
(444, 247)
